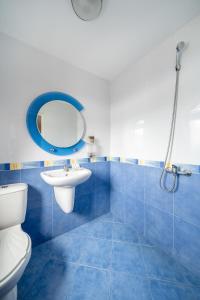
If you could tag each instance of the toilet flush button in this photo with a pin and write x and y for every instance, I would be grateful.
(4, 186)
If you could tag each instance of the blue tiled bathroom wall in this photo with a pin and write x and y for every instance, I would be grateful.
(170, 221)
(131, 191)
(44, 218)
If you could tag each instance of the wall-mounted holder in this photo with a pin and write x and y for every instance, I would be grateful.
(91, 147)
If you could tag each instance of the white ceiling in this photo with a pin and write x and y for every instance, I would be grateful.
(125, 31)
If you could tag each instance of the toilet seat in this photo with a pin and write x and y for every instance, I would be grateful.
(15, 247)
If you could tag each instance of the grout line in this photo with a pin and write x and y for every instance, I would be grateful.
(145, 276)
(144, 193)
(110, 239)
(173, 241)
(145, 268)
(52, 214)
(173, 214)
(110, 267)
(190, 223)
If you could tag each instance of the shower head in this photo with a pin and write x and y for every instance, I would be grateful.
(179, 48)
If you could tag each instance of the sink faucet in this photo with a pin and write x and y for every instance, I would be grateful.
(66, 168)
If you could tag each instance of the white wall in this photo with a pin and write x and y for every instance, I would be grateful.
(142, 98)
(26, 73)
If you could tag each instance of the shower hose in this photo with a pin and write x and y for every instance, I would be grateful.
(167, 168)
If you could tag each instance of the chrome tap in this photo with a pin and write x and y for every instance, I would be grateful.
(66, 169)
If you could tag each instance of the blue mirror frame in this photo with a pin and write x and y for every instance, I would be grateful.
(31, 123)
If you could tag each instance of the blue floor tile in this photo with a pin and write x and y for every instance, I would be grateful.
(127, 258)
(88, 263)
(89, 284)
(163, 267)
(129, 287)
(166, 291)
(159, 224)
(66, 247)
(53, 283)
(96, 253)
(95, 229)
(122, 232)
(110, 217)
(39, 258)
(187, 244)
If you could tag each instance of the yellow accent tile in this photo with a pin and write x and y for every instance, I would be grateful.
(48, 163)
(15, 166)
(93, 159)
(72, 161)
(141, 162)
(168, 165)
(122, 159)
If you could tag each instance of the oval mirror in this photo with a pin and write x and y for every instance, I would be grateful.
(56, 124)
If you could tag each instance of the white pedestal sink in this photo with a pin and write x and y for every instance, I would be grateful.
(64, 183)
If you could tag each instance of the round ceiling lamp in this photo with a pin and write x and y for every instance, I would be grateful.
(87, 10)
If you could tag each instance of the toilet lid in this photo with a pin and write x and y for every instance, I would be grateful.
(14, 246)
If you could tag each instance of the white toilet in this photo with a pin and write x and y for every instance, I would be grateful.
(15, 244)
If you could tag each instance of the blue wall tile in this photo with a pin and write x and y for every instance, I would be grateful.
(44, 218)
(133, 181)
(131, 193)
(154, 195)
(9, 177)
(83, 212)
(38, 224)
(117, 205)
(134, 213)
(159, 208)
(127, 193)
(88, 186)
(116, 177)
(102, 176)
(187, 199)
(102, 201)
(39, 192)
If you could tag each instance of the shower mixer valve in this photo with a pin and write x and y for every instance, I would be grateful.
(179, 171)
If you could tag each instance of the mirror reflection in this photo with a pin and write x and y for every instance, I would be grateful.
(60, 123)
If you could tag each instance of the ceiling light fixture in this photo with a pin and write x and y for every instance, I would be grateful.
(87, 10)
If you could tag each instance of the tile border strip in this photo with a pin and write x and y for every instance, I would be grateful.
(59, 163)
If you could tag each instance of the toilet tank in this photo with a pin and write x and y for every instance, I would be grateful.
(13, 202)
